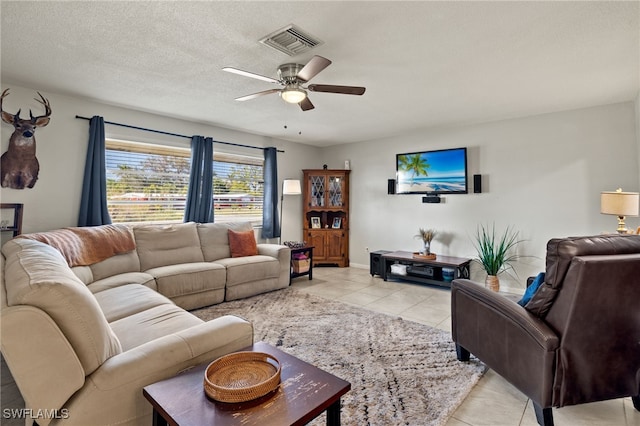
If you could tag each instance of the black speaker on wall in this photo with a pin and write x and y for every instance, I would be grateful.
(477, 184)
(391, 186)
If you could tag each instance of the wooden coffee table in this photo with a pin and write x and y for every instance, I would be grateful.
(304, 393)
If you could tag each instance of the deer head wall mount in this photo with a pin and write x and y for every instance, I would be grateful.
(19, 166)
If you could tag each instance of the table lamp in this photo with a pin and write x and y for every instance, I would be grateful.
(620, 204)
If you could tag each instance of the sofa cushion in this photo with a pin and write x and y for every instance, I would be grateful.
(162, 245)
(242, 291)
(118, 264)
(242, 243)
(115, 265)
(214, 238)
(531, 289)
(542, 300)
(242, 270)
(193, 301)
(143, 278)
(41, 277)
(151, 324)
(561, 251)
(119, 302)
(188, 278)
(83, 273)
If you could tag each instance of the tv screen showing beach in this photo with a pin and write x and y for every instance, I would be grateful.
(432, 172)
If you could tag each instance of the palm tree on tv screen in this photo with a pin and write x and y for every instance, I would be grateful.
(415, 164)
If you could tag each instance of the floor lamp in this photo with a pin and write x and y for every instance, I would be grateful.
(289, 187)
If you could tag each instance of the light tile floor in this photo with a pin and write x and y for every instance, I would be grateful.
(493, 402)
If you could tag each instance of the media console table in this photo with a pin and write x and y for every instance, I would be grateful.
(424, 271)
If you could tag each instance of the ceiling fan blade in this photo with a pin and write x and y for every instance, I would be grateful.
(313, 67)
(257, 95)
(306, 104)
(328, 88)
(250, 74)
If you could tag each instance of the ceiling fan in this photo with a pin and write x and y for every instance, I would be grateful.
(293, 77)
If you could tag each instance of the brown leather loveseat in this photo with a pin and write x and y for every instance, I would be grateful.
(577, 340)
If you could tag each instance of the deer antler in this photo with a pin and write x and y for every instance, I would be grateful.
(4, 95)
(47, 107)
(7, 117)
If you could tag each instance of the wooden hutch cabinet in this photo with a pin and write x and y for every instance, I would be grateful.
(326, 215)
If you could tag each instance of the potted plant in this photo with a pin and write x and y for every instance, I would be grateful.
(427, 236)
(494, 253)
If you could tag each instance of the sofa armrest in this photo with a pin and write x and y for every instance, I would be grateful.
(506, 337)
(505, 308)
(283, 254)
(280, 252)
(115, 389)
(45, 382)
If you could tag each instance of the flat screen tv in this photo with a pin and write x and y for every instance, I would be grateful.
(432, 172)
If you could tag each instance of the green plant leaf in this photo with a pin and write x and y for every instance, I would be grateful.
(494, 251)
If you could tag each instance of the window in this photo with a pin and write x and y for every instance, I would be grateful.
(238, 188)
(148, 183)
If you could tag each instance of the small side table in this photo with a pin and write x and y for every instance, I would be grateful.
(308, 251)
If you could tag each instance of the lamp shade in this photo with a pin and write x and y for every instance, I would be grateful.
(293, 95)
(291, 187)
(619, 203)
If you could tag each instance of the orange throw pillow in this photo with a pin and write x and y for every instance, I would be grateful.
(242, 243)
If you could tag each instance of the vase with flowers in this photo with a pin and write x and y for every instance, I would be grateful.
(427, 235)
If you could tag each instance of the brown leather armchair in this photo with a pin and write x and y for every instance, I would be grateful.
(576, 341)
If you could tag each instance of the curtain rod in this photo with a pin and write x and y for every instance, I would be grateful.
(171, 134)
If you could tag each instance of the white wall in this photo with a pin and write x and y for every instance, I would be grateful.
(542, 175)
(62, 145)
(637, 107)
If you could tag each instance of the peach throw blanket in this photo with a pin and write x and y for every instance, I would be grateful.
(87, 245)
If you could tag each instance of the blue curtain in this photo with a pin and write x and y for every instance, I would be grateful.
(93, 202)
(199, 206)
(270, 223)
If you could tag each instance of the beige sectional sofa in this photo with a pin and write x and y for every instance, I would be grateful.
(81, 340)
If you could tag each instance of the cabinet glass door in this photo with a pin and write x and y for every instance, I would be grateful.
(335, 191)
(317, 191)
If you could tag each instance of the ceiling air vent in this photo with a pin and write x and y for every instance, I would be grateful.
(291, 40)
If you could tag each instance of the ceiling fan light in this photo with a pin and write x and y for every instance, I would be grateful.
(293, 95)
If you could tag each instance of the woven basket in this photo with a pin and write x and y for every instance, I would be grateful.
(242, 376)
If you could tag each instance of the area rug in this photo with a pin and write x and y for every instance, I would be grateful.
(401, 372)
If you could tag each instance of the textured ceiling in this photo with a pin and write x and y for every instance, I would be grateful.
(424, 64)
